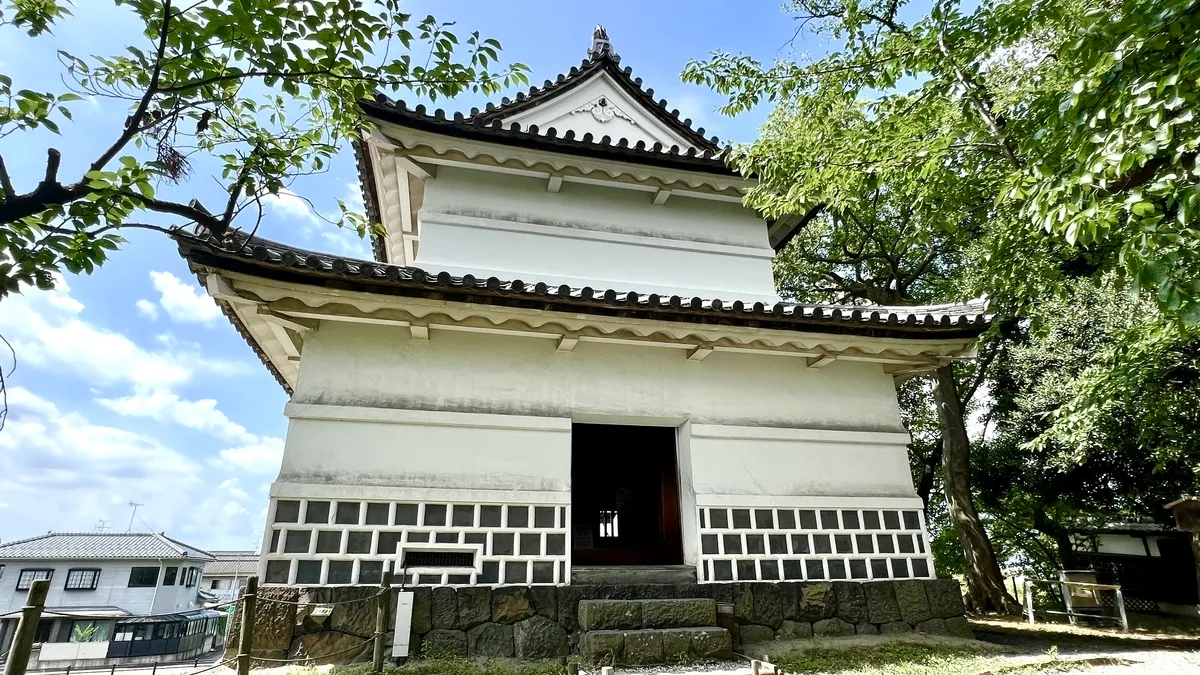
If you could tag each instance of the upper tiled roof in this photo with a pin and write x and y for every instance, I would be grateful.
(232, 563)
(487, 125)
(99, 545)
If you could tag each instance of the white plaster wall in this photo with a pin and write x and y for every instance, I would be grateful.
(740, 408)
(511, 227)
(111, 589)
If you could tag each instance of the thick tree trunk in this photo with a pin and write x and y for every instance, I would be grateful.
(985, 583)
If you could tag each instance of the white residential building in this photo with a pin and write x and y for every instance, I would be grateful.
(113, 596)
(226, 574)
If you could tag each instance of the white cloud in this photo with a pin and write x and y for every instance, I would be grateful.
(46, 330)
(231, 486)
(147, 309)
(261, 457)
(21, 399)
(291, 205)
(183, 302)
(165, 406)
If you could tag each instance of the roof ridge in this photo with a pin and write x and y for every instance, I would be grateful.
(26, 539)
(182, 547)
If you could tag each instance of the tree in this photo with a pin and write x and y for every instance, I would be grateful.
(266, 89)
(1074, 119)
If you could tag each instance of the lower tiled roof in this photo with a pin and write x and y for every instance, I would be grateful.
(99, 545)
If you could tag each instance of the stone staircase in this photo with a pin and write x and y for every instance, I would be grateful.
(648, 632)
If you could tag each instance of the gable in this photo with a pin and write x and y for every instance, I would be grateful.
(600, 107)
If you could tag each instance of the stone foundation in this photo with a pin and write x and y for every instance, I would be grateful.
(541, 622)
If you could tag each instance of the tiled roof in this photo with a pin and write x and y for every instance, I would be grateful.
(232, 563)
(99, 545)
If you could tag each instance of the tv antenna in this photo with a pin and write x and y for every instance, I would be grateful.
(103, 525)
(133, 515)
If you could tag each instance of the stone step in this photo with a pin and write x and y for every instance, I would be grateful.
(633, 574)
(653, 646)
(635, 614)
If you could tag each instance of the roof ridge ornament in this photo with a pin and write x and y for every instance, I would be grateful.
(601, 46)
(603, 110)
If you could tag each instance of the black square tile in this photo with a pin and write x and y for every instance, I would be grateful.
(800, 544)
(850, 520)
(768, 570)
(406, 514)
(808, 520)
(837, 568)
(793, 570)
(755, 545)
(870, 520)
(518, 516)
(778, 544)
(814, 569)
(786, 518)
(329, 541)
(377, 513)
(446, 537)
(388, 543)
(866, 543)
(418, 537)
(275, 535)
(358, 542)
(911, 520)
(491, 572)
(435, 515)
(884, 543)
(821, 544)
(879, 568)
(920, 568)
(702, 518)
(489, 516)
(317, 512)
(543, 572)
(843, 543)
(858, 569)
(463, 515)
(718, 519)
(891, 520)
(287, 511)
(733, 544)
(296, 541)
(899, 568)
(708, 544)
(747, 570)
(543, 516)
(458, 579)
(531, 544)
(904, 543)
(556, 544)
(502, 543)
(475, 538)
(340, 572)
(722, 570)
(516, 572)
(370, 572)
(764, 519)
(741, 519)
(347, 514)
(829, 520)
(308, 571)
(278, 570)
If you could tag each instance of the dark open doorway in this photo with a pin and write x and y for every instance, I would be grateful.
(624, 495)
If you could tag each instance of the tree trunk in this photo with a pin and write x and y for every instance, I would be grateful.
(984, 581)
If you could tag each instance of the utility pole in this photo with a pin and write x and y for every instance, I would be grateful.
(133, 515)
(22, 645)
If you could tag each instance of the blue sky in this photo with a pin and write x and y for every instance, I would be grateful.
(131, 386)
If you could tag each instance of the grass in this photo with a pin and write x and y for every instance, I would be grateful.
(1142, 627)
(452, 666)
(912, 657)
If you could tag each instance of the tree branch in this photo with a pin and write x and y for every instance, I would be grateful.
(6, 182)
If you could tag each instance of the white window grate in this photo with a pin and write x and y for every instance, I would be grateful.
(332, 542)
(811, 544)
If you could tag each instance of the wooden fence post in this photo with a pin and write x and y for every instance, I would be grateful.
(381, 614)
(246, 638)
(18, 656)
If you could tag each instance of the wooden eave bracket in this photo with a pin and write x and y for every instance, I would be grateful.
(699, 352)
(290, 322)
(566, 343)
(822, 361)
(555, 183)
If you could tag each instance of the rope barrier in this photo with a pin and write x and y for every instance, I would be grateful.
(303, 603)
(53, 614)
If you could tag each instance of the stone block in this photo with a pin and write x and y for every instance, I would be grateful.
(945, 598)
(331, 647)
(894, 628)
(544, 601)
(933, 627)
(474, 606)
(490, 639)
(355, 618)
(914, 604)
(567, 598)
(743, 603)
(422, 618)
(866, 629)
(816, 601)
(609, 614)
(538, 638)
(711, 643)
(414, 644)
(510, 604)
(791, 599)
(768, 605)
(851, 603)
(678, 613)
(754, 634)
(445, 608)
(794, 630)
(442, 642)
(881, 602)
(832, 628)
(602, 647)
(676, 645)
(274, 622)
(959, 627)
(643, 647)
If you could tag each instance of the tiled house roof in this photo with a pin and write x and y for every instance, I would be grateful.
(99, 545)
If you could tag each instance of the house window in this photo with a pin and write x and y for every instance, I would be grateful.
(216, 585)
(193, 576)
(82, 580)
(90, 631)
(28, 576)
(143, 577)
(169, 576)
